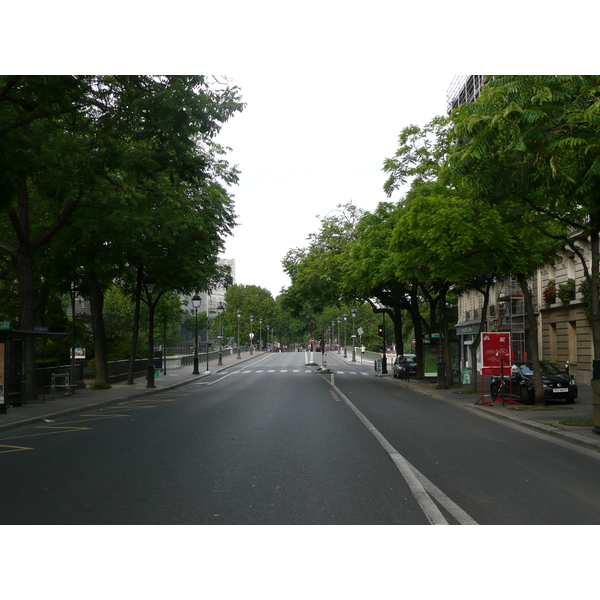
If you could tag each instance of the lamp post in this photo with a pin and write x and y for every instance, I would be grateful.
(239, 316)
(260, 333)
(345, 317)
(353, 311)
(207, 329)
(339, 345)
(220, 310)
(150, 282)
(332, 334)
(251, 336)
(196, 301)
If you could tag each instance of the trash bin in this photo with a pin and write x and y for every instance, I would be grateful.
(157, 373)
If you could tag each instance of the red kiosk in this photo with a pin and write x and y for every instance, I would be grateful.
(496, 353)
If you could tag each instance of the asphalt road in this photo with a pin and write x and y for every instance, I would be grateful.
(272, 442)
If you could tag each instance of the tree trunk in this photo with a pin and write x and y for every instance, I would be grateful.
(23, 262)
(397, 319)
(594, 292)
(136, 325)
(533, 340)
(477, 340)
(418, 327)
(97, 310)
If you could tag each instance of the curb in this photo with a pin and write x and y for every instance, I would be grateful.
(566, 436)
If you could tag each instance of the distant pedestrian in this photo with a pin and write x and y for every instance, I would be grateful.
(362, 351)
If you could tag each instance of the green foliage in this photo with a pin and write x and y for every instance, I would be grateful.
(102, 174)
(253, 301)
(566, 291)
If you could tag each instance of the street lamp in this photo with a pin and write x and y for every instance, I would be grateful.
(339, 345)
(196, 302)
(251, 336)
(239, 316)
(345, 344)
(353, 311)
(260, 330)
(220, 310)
(150, 282)
(268, 329)
(332, 334)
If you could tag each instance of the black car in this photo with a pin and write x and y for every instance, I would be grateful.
(405, 366)
(557, 384)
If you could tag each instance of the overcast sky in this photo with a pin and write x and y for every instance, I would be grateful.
(306, 144)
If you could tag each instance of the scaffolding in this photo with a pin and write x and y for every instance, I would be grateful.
(510, 316)
(463, 88)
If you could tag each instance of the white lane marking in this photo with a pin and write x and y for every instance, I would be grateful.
(259, 371)
(296, 371)
(246, 372)
(419, 485)
(283, 371)
(215, 381)
(335, 396)
(271, 371)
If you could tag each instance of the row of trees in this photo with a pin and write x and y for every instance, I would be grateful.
(496, 189)
(110, 181)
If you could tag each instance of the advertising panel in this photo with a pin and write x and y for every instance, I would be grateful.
(494, 347)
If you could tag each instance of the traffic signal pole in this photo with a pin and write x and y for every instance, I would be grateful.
(384, 359)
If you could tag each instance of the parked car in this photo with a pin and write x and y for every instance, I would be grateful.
(557, 384)
(405, 366)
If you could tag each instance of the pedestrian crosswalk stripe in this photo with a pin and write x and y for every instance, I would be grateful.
(292, 370)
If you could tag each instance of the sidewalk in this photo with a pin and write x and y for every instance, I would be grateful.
(545, 420)
(89, 398)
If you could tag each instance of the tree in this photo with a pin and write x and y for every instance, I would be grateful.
(528, 147)
(251, 300)
(121, 147)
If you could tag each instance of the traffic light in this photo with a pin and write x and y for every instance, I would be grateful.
(380, 330)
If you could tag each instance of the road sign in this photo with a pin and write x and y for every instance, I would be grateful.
(360, 331)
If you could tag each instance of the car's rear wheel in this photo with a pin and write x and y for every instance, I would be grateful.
(525, 396)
